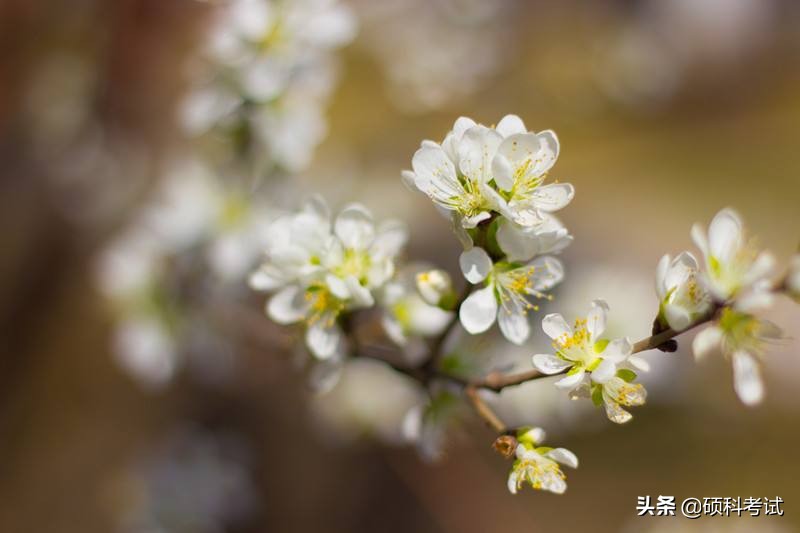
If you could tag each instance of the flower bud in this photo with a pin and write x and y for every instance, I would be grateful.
(436, 288)
(505, 445)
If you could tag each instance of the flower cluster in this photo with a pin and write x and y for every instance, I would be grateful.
(734, 283)
(320, 268)
(192, 226)
(267, 72)
(492, 182)
(595, 367)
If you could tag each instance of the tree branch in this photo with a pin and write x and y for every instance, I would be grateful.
(483, 409)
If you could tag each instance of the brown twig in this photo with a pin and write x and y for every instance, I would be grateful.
(483, 409)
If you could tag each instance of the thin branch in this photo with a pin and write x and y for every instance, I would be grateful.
(483, 409)
(496, 381)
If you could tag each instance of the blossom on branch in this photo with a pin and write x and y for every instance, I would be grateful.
(538, 466)
(478, 171)
(733, 263)
(508, 290)
(595, 367)
(682, 296)
(320, 269)
(742, 337)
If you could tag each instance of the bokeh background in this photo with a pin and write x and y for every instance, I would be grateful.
(666, 112)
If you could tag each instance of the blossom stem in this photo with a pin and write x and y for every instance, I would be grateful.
(483, 409)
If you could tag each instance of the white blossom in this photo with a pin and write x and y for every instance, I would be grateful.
(538, 465)
(505, 298)
(407, 317)
(435, 286)
(479, 170)
(733, 264)
(594, 366)
(742, 337)
(269, 69)
(145, 347)
(682, 297)
(521, 243)
(321, 269)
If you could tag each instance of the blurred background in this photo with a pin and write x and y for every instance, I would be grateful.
(112, 421)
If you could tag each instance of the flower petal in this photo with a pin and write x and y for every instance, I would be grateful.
(747, 378)
(475, 264)
(707, 342)
(617, 414)
(547, 273)
(725, 235)
(265, 279)
(392, 236)
(514, 324)
(563, 456)
(435, 174)
(479, 311)
(476, 152)
(516, 243)
(550, 364)
(570, 381)
(604, 371)
(677, 317)
(361, 296)
(509, 125)
(512, 482)
(554, 196)
(502, 172)
(699, 238)
(323, 340)
(618, 350)
(596, 319)
(354, 227)
(287, 306)
(555, 326)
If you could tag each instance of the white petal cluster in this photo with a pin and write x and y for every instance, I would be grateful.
(269, 70)
(408, 318)
(734, 279)
(538, 466)
(742, 337)
(508, 289)
(733, 264)
(595, 367)
(682, 296)
(478, 172)
(193, 225)
(491, 182)
(319, 268)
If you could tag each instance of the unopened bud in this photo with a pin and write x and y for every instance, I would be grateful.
(505, 445)
(436, 288)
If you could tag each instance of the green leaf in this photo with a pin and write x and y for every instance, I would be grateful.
(492, 246)
(600, 346)
(597, 395)
(574, 370)
(626, 374)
